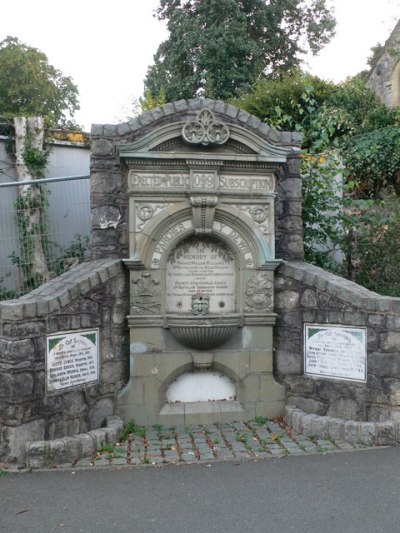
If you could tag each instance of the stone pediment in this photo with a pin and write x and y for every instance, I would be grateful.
(222, 131)
(168, 139)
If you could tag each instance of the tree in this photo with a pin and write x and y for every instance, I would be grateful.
(32, 93)
(30, 86)
(220, 47)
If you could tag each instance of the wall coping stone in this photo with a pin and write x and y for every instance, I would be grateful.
(61, 291)
(150, 119)
(356, 432)
(347, 291)
(45, 454)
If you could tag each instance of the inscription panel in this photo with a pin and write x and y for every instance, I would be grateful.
(158, 181)
(71, 359)
(204, 267)
(336, 352)
(250, 184)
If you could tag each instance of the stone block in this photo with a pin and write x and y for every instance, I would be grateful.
(347, 409)
(296, 419)
(57, 452)
(16, 438)
(99, 412)
(102, 147)
(308, 405)
(99, 437)
(35, 454)
(235, 363)
(386, 433)
(270, 390)
(132, 394)
(307, 423)
(73, 448)
(261, 361)
(335, 428)
(390, 342)
(368, 433)
(288, 362)
(251, 388)
(286, 300)
(142, 364)
(257, 337)
(352, 431)
(309, 298)
(87, 445)
(146, 340)
(321, 426)
(151, 392)
(269, 409)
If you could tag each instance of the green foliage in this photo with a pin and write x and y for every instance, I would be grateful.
(372, 257)
(33, 200)
(280, 102)
(373, 162)
(361, 108)
(76, 252)
(217, 48)
(30, 86)
(149, 102)
(131, 429)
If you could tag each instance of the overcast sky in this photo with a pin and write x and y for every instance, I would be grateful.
(106, 46)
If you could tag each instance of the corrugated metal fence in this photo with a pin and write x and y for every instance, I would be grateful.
(64, 230)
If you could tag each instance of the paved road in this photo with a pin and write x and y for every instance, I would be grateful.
(343, 492)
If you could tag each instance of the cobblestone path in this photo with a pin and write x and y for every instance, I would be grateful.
(258, 439)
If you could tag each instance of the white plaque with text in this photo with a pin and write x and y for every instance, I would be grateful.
(336, 352)
(201, 266)
(72, 359)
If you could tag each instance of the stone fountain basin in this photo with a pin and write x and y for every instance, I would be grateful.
(203, 333)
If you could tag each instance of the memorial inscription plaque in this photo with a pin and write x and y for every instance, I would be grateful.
(336, 352)
(72, 359)
(200, 266)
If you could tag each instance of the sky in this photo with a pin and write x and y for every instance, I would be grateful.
(106, 46)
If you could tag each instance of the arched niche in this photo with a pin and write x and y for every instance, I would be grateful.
(201, 277)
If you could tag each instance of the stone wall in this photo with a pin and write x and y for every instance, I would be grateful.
(384, 78)
(307, 294)
(92, 295)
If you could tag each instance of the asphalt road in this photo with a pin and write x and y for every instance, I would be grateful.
(343, 492)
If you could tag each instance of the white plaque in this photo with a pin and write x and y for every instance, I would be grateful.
(337, 352)
(201, 266)
(72, 359)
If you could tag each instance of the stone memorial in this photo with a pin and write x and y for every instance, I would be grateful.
(335, 352)
(201, 265)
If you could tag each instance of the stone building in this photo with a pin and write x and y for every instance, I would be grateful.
(384, 78)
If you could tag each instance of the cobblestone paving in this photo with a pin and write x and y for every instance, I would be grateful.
(258, 439)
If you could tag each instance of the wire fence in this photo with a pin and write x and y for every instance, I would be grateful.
(44, 231)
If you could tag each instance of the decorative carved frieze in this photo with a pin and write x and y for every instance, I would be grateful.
(146, 296)
(259, 293)
(205, 130)
(145, 211)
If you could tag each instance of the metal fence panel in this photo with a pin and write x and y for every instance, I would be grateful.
(64, 233)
